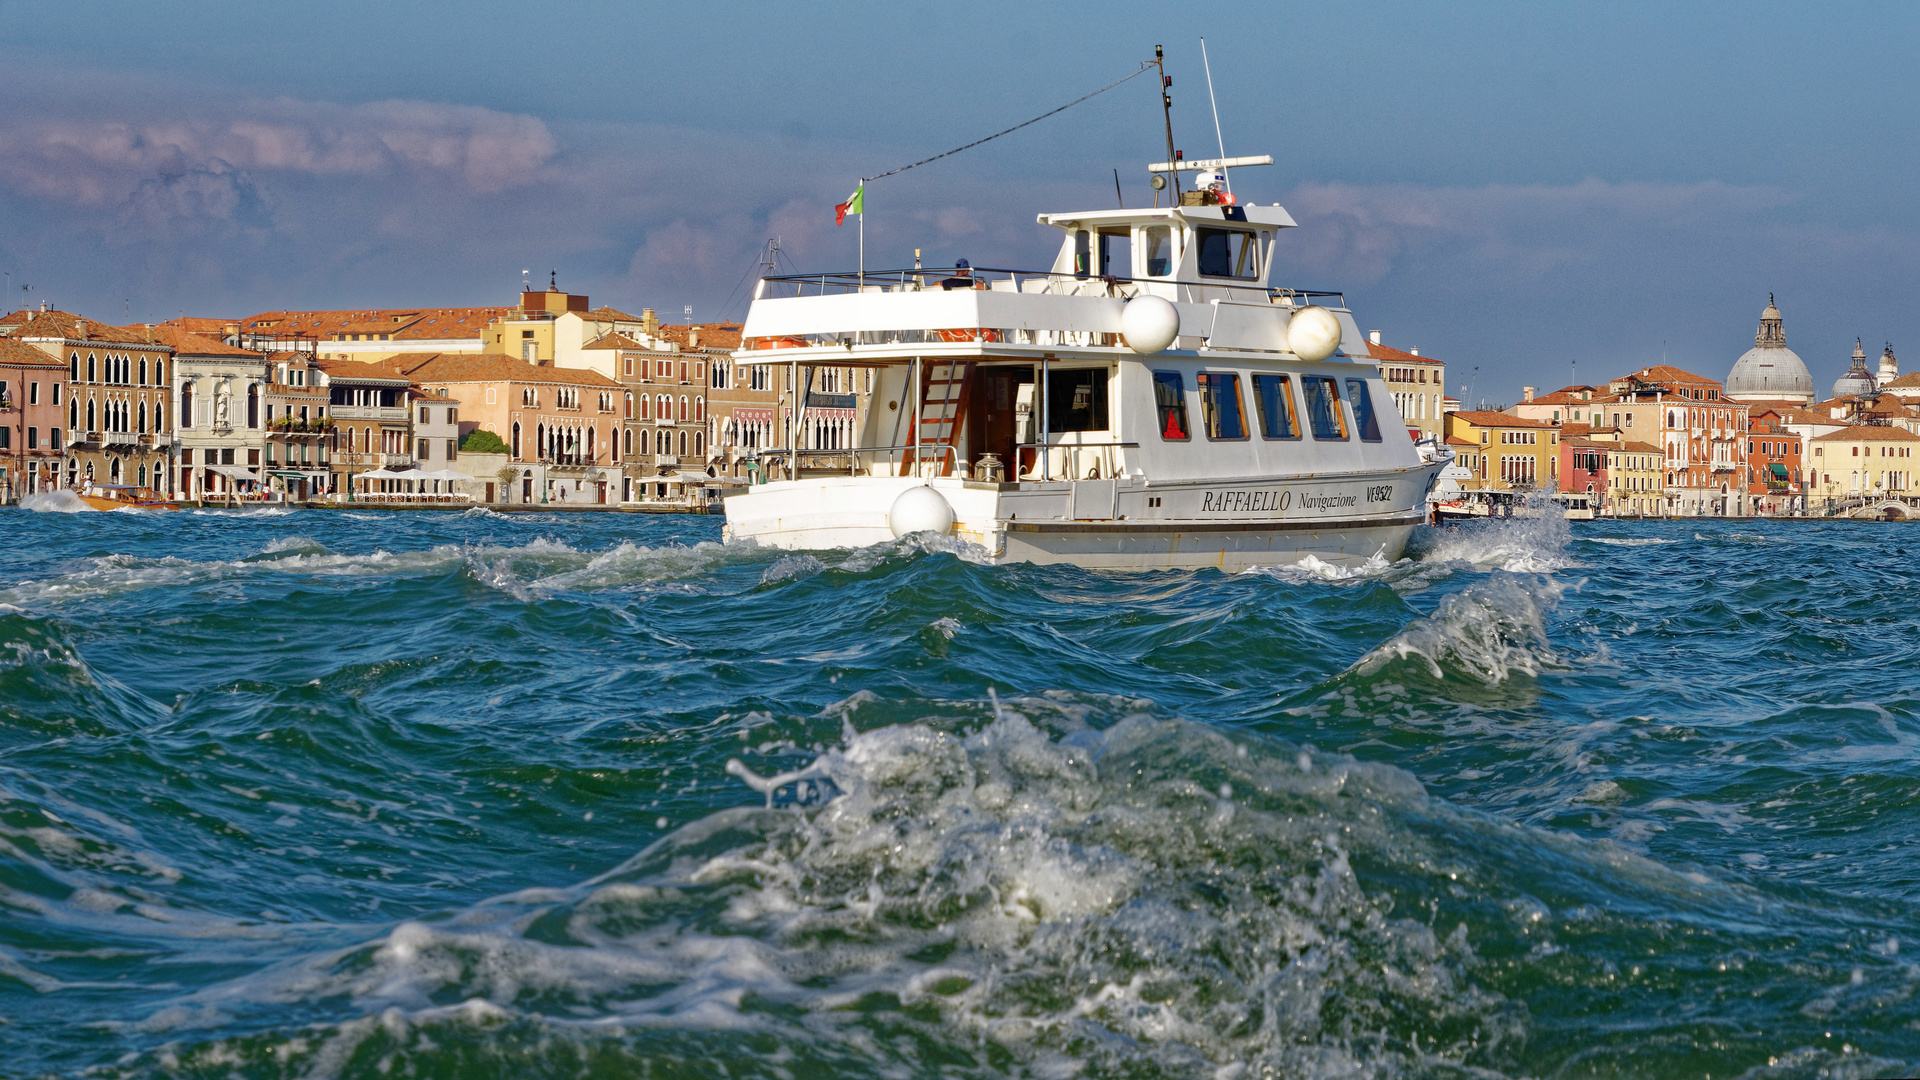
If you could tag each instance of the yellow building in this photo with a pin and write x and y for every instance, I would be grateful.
(1865, 460)
(1416, 383)
(1636, 473)
(1505, 453)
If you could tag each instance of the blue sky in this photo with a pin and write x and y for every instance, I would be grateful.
(1513, 187)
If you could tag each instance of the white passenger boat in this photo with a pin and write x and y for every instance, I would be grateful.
(1150, 401)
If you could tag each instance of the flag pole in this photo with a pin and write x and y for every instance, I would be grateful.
(862, 189)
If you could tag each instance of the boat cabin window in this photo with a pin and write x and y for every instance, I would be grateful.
(1082, 253)
(1170, 398)
(1077, 400)
(1220, 405)
(1116, 252)
(1364, 417)
(1157, 250)
(1228, 253)
(1277, 420)
(1323, 407)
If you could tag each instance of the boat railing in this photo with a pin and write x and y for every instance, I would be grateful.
(1032, 461)
(1069, 460)
(1045, 282)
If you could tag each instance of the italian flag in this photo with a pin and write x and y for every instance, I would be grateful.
(851, 206)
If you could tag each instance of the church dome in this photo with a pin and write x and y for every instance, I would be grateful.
(1770, 371)
(1858, 381)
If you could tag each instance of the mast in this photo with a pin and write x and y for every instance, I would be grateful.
(1166, 107)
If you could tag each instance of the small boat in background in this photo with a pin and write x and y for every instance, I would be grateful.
(123, 497)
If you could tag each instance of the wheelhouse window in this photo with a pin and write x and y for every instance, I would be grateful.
(1220, 407)
(1116, 252)
(1277, 419)
(1077, 400)
(1157, 250)
(1323, 407)
(1228, 253)
(1364, 417)
(1082, 253)
(1170, 398)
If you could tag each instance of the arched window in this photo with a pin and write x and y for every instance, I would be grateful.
(629, 406)
(143, 420)
(90, 415)
(540, 439)
(159, 417)
(516, 438)
(699, 443)
(683, 407)
(143, 382)
(75, 376)
(683, 444)
(91, 369)
(629, 442)
(186, 405)
(646, 407)
(253, 405)
(590, 453)
(73, 413)
(159, 373)
(700, 409)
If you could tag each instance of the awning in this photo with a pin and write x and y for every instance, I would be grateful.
(441, 474)
(234, 472)
(384, 474)
(704, 480)
(1778, 470)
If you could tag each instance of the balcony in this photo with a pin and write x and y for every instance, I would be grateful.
(294, 428)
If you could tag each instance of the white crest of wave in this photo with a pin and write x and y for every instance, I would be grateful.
(1533, 542)
(1632, 541)
(61, 501)
(1155, 896)
(1491, 630)
(1315, 569)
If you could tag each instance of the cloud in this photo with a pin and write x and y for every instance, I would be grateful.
(114, 161)
(1358, 234)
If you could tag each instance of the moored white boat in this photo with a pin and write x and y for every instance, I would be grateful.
(1149, 401)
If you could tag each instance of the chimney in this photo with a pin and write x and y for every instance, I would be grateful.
(1373, 336)
(1526, 393)
(1413, 352)
(693, 337)
(649, 322)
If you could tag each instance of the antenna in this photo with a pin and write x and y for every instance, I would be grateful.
(1166, 107)
(688, 312)
(1207, 65)
(1121, 199)
(525, 285)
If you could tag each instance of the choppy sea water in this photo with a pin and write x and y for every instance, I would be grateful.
(319, 794)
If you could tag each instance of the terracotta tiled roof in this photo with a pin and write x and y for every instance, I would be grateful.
(355, 369)
(616, 341)
(186, 343)
(1910, 380)
(1640, 448)
(712, 335)
(1668, 373)
(1868, 433)
(399, 324)
(1389, 354)
(195, 324)
(486, 367)
(1500, 419)
(1455, 440)
(1574, 431)
(417, 394)
(19, 354)
(65, 324)
(603, 313)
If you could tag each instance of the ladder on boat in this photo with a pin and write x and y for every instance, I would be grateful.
(943, 405)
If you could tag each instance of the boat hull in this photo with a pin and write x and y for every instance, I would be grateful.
(1228, 525)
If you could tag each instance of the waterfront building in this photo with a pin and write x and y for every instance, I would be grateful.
(118, 426)
(218, 409)
(1583, 468)
(1861, 462)
(1416, 383)
(298, 433)
(1770, 371)
(1775, 480)
(436, 436)
(370, 425)
(1567, 406)
(32, 420)
(1510, 454)
(1701, 432)
(560, 425)
(1634, 475)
